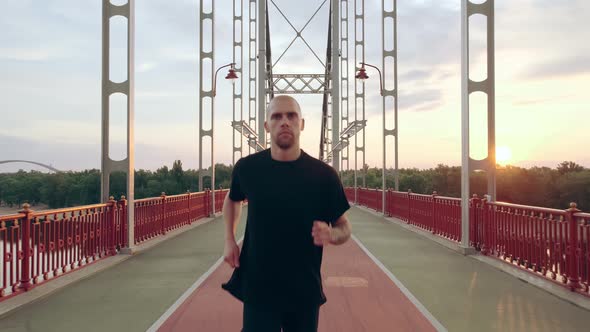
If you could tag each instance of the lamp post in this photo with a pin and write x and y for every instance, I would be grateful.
(362, 75)
(232, 76)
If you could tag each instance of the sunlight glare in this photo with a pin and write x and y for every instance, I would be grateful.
(503, 155)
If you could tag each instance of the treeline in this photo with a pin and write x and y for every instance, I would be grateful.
(538, 186)
(66, 189)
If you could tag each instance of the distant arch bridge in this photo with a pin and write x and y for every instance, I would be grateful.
(31, 162)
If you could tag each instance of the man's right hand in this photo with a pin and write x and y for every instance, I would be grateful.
(231, 254)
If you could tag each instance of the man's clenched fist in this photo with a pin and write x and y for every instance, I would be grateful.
(321, 233)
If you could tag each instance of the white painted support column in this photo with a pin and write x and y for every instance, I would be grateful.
(127, 87)
(335, 76)
(261, 79)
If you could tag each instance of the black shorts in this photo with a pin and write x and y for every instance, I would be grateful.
(259, 318)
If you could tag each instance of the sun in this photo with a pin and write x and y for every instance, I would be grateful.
(503, 155)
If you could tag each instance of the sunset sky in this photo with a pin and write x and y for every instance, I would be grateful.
(50, 79)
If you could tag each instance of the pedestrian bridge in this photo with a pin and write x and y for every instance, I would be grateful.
(397, 273)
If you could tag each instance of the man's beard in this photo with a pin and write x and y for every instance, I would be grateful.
(286, 142)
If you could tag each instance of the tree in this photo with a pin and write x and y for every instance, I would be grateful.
(223, 175)
(177, 173)
(569, 166)
(574, 187)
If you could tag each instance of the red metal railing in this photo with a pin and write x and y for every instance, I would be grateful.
(198, 208)
(40, 246)
(219, 197)
(370, 198)
(157, 216)
(582, 221)
(399, 205)
(11, 250)
(349, 194)
(553, 244)
(550, 243)
(447, 217)
(535, 239)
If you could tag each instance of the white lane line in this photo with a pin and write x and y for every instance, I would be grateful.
(185, 295)
(410, 296)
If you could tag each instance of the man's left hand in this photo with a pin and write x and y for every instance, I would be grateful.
(321, 233)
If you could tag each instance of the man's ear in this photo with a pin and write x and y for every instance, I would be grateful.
(302, 124)
(266, 127)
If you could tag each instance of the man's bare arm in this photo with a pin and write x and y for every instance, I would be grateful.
(231, 215)
(341, 231)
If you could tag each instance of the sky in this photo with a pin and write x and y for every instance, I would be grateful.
(50, 81)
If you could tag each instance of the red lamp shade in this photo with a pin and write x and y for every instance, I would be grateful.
(362, 74)
(231, 75)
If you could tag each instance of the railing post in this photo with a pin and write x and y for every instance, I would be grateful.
(25, 280)
(473, 222)
(163, 217)
(126, 240)
(112, 236)
(389, 202)
(434, 230)
(220, 194)
(409, 205)
(212, 215)
(573, 273)
(188, 193)
(207, 201)
(486, 244)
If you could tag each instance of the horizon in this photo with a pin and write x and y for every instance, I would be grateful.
(498, 167)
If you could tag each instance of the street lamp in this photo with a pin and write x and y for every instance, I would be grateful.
(232, 76)
(362, 75)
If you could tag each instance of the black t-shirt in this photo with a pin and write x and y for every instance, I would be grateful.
(279, 263)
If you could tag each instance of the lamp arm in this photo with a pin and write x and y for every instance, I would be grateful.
(215, 77)
(380, 78)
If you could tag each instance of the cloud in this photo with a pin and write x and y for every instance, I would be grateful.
(416, 74)
(63, 156)
(527, 102)
(77, 156)
(427, 106)
(558, 68)
(410, 100)
(145, 67)
(161, 93)
(30, 54)
(424, 99)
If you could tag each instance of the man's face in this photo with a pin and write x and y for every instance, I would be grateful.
(284, 122)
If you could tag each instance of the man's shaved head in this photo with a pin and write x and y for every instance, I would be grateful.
(284, 122)
(278, 100)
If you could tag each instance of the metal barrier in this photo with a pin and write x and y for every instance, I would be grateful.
(159, 215)
(219, 197)
(40, 246)
(550, 243)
